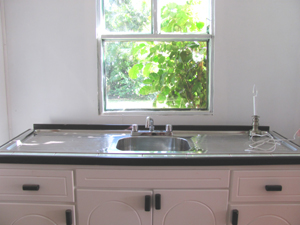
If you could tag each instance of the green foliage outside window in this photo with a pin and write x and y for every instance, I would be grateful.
(171, 73)
(180, 18)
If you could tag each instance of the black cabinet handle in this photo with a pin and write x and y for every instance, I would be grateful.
(157, 201)
(31, 187)
(273, 188)
(147, 203)
(235, 217)
(69, 217)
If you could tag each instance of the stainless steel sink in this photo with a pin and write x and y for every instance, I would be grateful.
(153, 144)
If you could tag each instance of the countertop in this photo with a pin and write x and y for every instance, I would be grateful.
(94, 145)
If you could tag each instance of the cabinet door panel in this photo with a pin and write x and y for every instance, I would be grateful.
(34, 219)
(192, 207)
(113, 207)
(270, 219)
(275, 214)
(34, 214)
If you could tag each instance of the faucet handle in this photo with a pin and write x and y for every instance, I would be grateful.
(135, 128)
(169, 128)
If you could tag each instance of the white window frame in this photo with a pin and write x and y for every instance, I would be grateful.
(156, 36)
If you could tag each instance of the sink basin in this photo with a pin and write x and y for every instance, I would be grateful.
(153, 144)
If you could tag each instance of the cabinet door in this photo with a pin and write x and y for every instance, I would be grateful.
(275, 214)
(105, 207)
(34, 214)
(190, 207)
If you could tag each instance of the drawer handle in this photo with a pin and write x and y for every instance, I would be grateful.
(235, 217)
(69, 217)
(273, 188)
(157, 201)
(31, 187)
(147, 203)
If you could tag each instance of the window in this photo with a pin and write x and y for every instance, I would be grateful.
(154, 55)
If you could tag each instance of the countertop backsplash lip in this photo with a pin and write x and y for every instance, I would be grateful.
(159, 127)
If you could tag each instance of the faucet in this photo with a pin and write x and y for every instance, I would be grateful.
(151, 132)
(149, 123)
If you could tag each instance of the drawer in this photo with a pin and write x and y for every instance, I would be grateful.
(38, 185)
(271, 186)
(152, 178)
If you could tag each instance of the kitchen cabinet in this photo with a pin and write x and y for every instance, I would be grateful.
(72, 174)
(191, 207)
(263, 214)
(36, 214)
(260, 197)
(107, 207)
(30, 197)
(166, 207)
(134, 197)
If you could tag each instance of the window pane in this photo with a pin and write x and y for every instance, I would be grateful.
(156, 75)
(179, 16)
(129, 16)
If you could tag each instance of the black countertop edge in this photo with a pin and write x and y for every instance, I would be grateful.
(157, 127)
(213, 161)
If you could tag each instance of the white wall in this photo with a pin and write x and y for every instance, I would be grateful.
(52, 64)
(3, 106)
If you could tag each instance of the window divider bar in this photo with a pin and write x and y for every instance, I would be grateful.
(155, 37)
(154, 13)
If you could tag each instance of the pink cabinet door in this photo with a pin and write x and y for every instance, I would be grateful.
(192, 207)
(263, 214)
(114, 207)
(35, 214)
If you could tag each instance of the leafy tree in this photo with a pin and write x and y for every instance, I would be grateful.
(122, 16)
(176, 72)
(180, 18)
(116, 63)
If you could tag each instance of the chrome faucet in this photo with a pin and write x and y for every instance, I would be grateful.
(151, 132)
(149, 123)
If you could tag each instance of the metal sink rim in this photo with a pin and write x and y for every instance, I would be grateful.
(166, 144)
